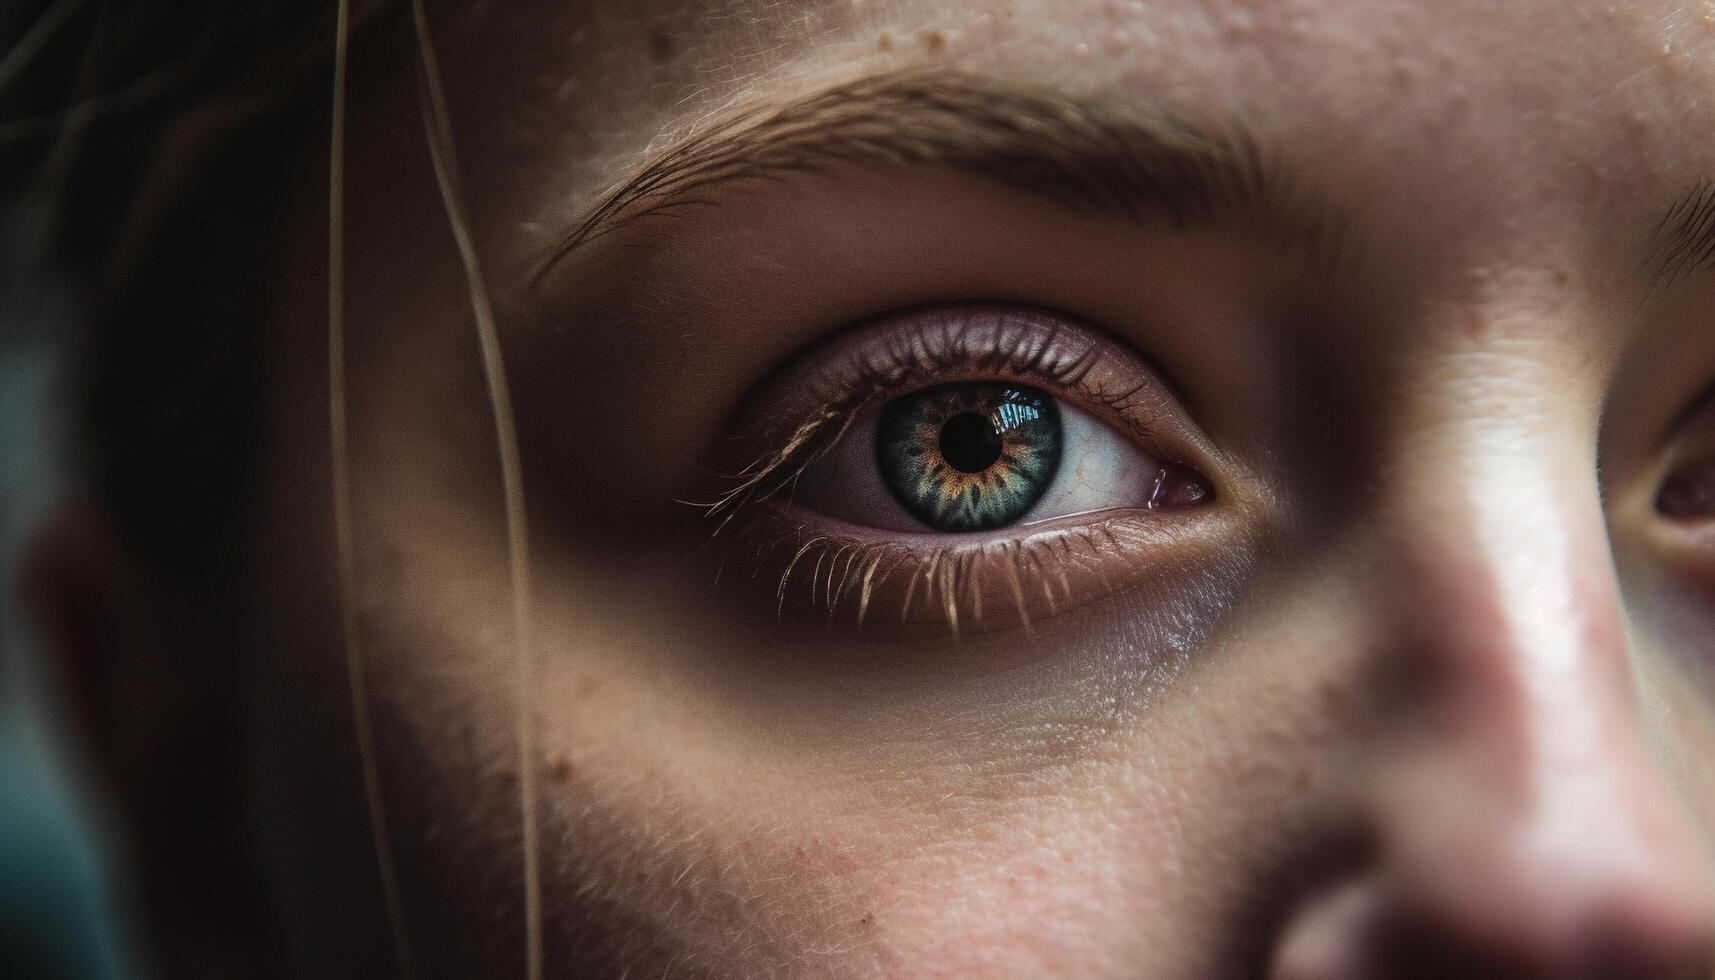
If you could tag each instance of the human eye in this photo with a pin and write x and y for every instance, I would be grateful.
(1684, 501)
(970, 466)
(1688, 494)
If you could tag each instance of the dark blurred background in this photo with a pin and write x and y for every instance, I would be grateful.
(61, 914)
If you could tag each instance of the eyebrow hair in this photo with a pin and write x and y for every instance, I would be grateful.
(1685, 237)
(1092, 156)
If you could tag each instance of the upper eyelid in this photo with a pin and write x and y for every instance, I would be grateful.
(921, 371)
(952, 348)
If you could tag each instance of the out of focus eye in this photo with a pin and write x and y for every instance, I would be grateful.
(1689, 494)
(981, 455)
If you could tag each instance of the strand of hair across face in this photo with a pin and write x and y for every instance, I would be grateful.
(340, 452)
(437, 126)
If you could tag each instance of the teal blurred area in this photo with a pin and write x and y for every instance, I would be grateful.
(58, 916)
(55, 921)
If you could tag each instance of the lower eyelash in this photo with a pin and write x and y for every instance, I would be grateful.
(961, 586)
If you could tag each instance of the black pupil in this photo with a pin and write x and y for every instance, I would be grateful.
(970, 442)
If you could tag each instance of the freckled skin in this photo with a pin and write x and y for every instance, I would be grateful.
(1455, 702)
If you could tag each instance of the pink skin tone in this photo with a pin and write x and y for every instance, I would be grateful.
(1429, 693)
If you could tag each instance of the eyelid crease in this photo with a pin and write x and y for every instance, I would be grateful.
(1091, 156)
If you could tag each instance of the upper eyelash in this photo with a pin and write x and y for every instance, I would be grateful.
(948, 344)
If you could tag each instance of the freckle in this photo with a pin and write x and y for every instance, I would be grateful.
(642, 876)
(1562, 276)
(935, 41)
(559, 767)
(884, 42)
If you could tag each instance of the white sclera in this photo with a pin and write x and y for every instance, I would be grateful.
(1100, 469)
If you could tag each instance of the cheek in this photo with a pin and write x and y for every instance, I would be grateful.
(698, 836)
(1678, 696)
(687, 820)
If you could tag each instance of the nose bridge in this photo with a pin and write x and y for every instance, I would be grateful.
(1520, 789)
(1516, 610)
(1520, 824)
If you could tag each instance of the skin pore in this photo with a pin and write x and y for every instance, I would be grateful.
(1425, 687)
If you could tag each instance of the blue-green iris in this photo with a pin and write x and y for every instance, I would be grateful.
(969, 456)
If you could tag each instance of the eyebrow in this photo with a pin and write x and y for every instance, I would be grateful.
(1092, 156)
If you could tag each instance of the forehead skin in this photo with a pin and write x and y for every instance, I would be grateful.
(1552, 122)
(1486, 149)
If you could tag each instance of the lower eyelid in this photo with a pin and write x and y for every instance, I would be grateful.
(824, 572)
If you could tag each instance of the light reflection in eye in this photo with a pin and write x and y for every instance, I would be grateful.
(971, 456)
